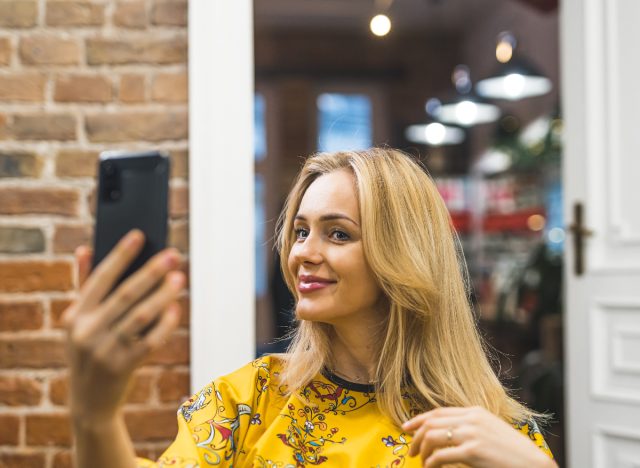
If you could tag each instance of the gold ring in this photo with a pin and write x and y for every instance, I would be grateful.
(450, 434)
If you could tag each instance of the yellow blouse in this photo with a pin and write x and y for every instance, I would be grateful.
(245, 419)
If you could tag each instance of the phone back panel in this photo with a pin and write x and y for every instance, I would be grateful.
(132, 193)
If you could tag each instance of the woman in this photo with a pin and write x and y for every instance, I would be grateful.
(386, 367)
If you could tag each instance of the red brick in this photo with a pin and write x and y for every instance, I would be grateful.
(9, 429)
(173, 386)
(145, 51)
(179, 236)
(20, 163)
(130, 15)
(5, 51)
(76, 163)
(175, 351)
(17, 240)
(58, 201)
(170, 13)
(151, 425)
(49, 50)
(165, 125)
(16, 390)
(37, 353)
(67, 238)
(16, 316)
(140, 389)
(18, 14)
(35, 276)
(29, 459)
(132, 88)
(44, 127)
(63, 460)
(59, 390)
(5, 131)
(25, 86)
(179, 202)
(58, 306)
(31, 276)
(83, 88)
(179, 163)
(185, 305)
(66, 13)
(48, 429)
(170, 87)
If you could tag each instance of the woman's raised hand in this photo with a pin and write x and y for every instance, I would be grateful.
(109, 334)
(472, 436)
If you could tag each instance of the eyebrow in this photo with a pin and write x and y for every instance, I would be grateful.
(328, 217)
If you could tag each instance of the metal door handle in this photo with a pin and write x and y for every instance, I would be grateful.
(579, 233)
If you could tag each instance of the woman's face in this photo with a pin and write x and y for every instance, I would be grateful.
(333, 280)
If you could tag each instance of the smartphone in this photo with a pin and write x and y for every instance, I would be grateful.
(133, 192)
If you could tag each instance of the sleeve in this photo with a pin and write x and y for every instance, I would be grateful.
(213, 424)
(530, 429)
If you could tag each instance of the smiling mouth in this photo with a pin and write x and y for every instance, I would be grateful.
(308, 284)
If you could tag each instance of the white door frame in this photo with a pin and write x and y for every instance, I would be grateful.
(221, 182)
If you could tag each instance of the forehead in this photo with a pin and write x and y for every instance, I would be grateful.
(333, 192)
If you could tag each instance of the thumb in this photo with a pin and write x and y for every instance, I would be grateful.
(84, 256)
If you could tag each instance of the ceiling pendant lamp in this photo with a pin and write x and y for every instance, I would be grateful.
(435, 134)
(466, 109)
(516, 78)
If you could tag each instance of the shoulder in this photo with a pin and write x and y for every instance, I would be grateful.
(245, 386)
(530, 429)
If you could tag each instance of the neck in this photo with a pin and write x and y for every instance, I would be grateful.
(354, 352)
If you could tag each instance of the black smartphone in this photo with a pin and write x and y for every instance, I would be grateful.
(133, 192)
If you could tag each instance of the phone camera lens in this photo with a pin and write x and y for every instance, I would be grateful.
(109, 169)
(114, 194)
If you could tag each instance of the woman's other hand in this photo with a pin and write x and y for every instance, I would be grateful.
(472, 436)
(110, 334)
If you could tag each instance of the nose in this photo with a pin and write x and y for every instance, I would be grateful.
(308, 251)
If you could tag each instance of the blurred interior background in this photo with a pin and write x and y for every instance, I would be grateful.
(471, 88)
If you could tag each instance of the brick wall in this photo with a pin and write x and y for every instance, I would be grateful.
(78, 77)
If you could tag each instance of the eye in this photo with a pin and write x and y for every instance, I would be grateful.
(301, 233)
(339, 235)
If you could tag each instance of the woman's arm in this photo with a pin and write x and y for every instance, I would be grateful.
(472, 436)
(104, 445)
(109, 335)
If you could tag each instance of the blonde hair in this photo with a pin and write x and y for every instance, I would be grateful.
(430, 342)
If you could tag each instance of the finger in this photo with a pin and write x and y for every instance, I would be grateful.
(159, 334)
(414, 449)
(147, 312)
(435, 439)
(138, 286)
(417, 421)
(438, 426)
(83, 255)
(446, 455)
(102, 279)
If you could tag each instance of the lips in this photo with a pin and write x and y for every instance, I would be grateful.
(310, 283)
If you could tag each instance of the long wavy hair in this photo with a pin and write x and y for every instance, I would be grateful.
(430, 341)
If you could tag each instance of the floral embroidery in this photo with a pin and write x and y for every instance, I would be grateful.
(256, 419)
(400, 449)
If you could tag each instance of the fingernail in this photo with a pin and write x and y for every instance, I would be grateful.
(134, 238)
(177, 279)
(170, 259)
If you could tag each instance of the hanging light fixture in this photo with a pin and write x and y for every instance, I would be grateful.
(380, 23)
(516, 78)
(435, 134)
(465, 109)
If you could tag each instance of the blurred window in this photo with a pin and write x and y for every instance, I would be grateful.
(344, 122)
(260, 153)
